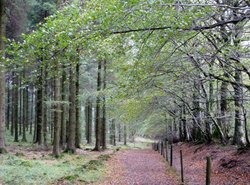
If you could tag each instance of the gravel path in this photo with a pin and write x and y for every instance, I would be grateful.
(139, 167)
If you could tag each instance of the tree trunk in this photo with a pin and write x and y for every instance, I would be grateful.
(119, 132)
(78, 123)
(223, 121)
(39, 109)
(72, 112)
(104, 129)
(8, 114)
(44, 107)
(57, 120)
(88, 120)
(2, 79)
(98, 121)
(25, 109)
(196, 112)
(15, 108)
(64, 109)
(239, 134)
(125, 135)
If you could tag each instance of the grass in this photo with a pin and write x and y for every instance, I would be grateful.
(27, 164)
(47, 170)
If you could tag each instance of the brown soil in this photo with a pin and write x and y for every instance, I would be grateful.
(229, 166)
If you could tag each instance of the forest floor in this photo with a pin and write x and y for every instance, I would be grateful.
(134, 164)
(229, 166)
(31, 165)
(139, 167)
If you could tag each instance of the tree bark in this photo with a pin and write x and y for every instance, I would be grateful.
(78, 123)
(88, 120)
(125, 135)
(39, 109)
(64, 108)
(98, 121)
(2, 79)
(25, 109)
(57, 120)
(72, 112)
(15, 108)
(239, 134)
(104, 129)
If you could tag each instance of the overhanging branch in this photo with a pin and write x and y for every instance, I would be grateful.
(196, 28)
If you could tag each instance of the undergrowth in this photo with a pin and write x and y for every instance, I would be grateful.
(17, 170)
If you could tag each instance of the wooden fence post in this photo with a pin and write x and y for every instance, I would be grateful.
(182, 169)
(166, 150)
(171, 155)
(208, 171)
(162, 148)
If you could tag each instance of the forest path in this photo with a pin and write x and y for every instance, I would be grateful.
(139, 167)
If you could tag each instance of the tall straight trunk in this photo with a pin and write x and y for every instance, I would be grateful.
(2, 79)
(15, 108)
(78, 123)
(125, 134)
(39, 109)
(12, 106)
(104, 129)
(25, 109)
(223, 121)
(8, 111)
(113, 132)
(45, 115)
(208, 123)
(98, 121)
(239, 134)
(196, 111)
(20, 104)
(64, 109)
(86, 114)
(32, 109)
(57, 120)
(184, 124)
(72, 112)
(88, 120)
(119, 132)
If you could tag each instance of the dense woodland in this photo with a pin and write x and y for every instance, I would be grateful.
(102, 71)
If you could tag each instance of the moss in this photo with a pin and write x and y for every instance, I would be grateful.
(20, 154)
(70, 177)
(3, 151)
(93, 165)
(104, 157)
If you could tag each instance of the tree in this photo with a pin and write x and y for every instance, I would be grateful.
(2, 76)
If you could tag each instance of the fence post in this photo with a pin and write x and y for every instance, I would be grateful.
(182, 170)
(162, 148)
(208, 171)
(166, 150)
(171, 155)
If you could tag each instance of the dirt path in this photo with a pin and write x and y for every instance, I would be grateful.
(139, 167)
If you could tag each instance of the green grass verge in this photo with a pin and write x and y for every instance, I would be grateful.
(17, 170)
